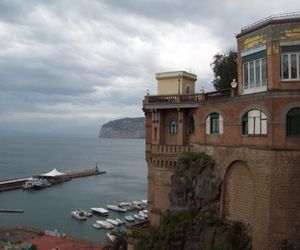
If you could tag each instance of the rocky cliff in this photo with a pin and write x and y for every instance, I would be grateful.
(131, 128)
(192, 222)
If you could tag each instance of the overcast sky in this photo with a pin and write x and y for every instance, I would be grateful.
(68, 66)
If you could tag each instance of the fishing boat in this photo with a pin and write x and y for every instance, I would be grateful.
(129, 218)
(100, 211)
(105, 224)
(116, 208)
(80, 215)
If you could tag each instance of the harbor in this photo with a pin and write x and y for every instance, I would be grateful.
(50, 208)
(51, 178)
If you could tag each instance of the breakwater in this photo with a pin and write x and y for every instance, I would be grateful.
(18, 183)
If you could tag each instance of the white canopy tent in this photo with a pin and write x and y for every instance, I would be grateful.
(52, 173)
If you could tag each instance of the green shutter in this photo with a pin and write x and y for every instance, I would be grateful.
(294, 48)
(254, 56)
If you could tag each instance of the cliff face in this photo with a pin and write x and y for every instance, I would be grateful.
(130, 128)
(192, 222)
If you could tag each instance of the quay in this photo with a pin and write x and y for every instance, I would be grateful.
(10, 210)
(18, 183)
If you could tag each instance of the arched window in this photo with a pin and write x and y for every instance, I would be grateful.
(293, 122)
(254, 122)
(191, 125)
(173, 127)
(214, 124)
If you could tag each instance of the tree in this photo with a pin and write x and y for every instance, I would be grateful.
(224, 66)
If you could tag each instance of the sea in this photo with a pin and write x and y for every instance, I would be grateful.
(50, 208)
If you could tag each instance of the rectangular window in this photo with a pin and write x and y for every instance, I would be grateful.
(251, 71)
(263, 71)
(285, 66)
(290, 60)
(294, 66)
(246, 75)
(254, 74)
(257, 72)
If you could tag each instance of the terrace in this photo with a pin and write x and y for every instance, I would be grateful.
(189, 100)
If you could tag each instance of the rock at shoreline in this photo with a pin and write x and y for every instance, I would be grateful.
(127, 128)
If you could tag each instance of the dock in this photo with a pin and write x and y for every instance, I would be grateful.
(11, 210)
(18, 183)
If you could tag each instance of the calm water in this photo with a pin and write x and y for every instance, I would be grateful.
(50, 208)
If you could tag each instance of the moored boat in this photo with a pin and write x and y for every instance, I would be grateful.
(120, 221)
(110, 236)
(129, 218)
(97, 225)
(139, 216)
(113, 222)
(116, 208)
(78, 215)
(100, 211)
(36, 183)
(105, 224)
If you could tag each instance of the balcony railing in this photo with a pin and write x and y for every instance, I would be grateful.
(193, 98)
(271, 18)
(170, 149)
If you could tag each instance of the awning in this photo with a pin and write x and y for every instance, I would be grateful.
(52, 173)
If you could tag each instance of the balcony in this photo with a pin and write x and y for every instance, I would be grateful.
(185, 100)
(169, 149)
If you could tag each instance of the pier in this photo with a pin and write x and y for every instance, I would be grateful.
(18, 183)
(11, 210)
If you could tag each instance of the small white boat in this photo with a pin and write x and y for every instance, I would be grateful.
(114, 222)
(78, 215)
(87, 214)
(116, 208)
(145, 202)
(139, 217)
(138, 205)
(96, 225)
(129, 218)
(110, 236)
(127, 205)
(100, 210)
(36, 183)
(121, 222)
(105, 224)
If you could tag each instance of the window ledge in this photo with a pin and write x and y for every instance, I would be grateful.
(255, 90)
(290, 80)
(255, 135)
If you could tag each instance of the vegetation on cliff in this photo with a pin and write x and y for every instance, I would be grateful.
(192, 221)
(124, 128)
(192, 229)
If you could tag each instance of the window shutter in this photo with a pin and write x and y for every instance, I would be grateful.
(208, 125)
(221, 129)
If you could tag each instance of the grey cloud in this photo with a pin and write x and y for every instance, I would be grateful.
(78, 58)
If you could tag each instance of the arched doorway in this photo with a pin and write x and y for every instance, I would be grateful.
(238, 193)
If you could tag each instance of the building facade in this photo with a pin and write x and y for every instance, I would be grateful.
(251, 130)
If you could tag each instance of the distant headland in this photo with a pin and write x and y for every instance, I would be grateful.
(127, 128)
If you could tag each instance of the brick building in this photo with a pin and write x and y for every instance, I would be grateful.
(251, 130)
